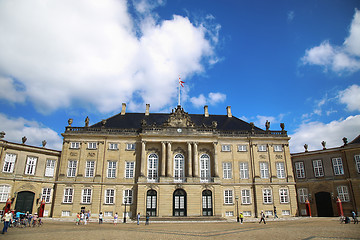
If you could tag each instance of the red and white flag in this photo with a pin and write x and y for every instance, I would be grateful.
(181, 82)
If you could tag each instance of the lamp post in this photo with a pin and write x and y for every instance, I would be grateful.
(237, 209)
(125, 210)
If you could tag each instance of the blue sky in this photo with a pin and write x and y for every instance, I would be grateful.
(296, 62)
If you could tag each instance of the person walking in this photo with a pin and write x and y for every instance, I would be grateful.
(275, 213)
(147, 219)
(241, 216)
(116, 216)
(354, 217)
(7, 218)
(100, 218)
(262, 215)
(138, 218)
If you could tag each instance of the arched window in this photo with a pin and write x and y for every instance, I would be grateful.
(151, 202)
(153, 160)
(179, 166)
(179, 203)
(205, 167)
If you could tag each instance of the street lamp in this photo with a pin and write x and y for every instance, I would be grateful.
(237, 209)
(125, 210)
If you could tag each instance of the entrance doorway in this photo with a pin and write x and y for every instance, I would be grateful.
(179, 203)
(151, 203)
(323, 204)
(25, 201)
(207, 203)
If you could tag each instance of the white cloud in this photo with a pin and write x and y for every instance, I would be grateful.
(351, 97)
(290, 16)
(261, 120)
(212, 99)
(199, 101)
(94, 54)
(345, 58)
(313, 133)
(16, 128)
(9, 92)
(215, 98)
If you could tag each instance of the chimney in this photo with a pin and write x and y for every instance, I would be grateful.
(206, 111)
(123, 109)
(147, 109)
(228, 108)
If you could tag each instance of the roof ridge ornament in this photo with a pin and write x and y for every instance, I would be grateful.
(179, 118)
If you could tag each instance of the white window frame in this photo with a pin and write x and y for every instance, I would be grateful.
(90, 168)
(268, 213)
(46, 194)
(111, 169)
(245, 196)
(227, 170)
(244, 170)
(267, 196)
(130, 147)
(229, 213)
(86, 195)
(50, 167)
(68, 195)
(280, 169)
(179, 167)
(318, 168)
(92, 145)
(113, 146)
(129, 169)
(285, 212)
(30, 165)
(242, 148)
(109, 196)
(300, 169)
(357, 162)
(72, 167)
(65, 213)
(262, 148)
(128, 194)
(338, 166)
(278, 148)
(74, 145)
(205, 168)
(303, 195)
(228, 196)
(4, 192)
(9, 162)
(343, 193)
(264, 170)
(247, 213)
(284, 195)
(152, 167)
(108, 214)
(226, 148)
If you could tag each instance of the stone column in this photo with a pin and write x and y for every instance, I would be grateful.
(143, 159)
(189, 166)
(196, 160)
(163, 160)
(169, 160)
(216, 169)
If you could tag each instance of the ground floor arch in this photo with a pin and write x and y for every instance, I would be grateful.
(25, 201)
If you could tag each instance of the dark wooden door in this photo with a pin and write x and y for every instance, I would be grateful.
(24, 201)
(323, 204)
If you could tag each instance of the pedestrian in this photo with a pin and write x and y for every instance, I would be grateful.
(7, 219)
(138, 218)
(241, 218)
(100, 218)
(147, 219)
(82, 217)
(77, 219)
(262, 215)
(353, 214)
(275, 213)
(116, 216)
(87, 216)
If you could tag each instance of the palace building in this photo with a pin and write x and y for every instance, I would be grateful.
(166, 165)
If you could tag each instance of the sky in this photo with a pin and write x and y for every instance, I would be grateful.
(285, 61)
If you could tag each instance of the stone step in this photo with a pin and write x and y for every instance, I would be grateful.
(185, 219)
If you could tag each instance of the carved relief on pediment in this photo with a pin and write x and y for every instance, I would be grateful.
(179, 118)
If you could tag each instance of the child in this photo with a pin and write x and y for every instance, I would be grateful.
(100, 218)
(116, 218)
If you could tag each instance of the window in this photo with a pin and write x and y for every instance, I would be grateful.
(228, 197)
(247, 213)
(357, 162)
(153, 161)
(338, 166)
(111, 169)
(75, 145)
(302, 195)
(264, 170)
(4, 193)
(130, 146)
(109, 196)
(128, 196)
(225, 148)
(68, 195)
(108, 214)
(285, 212)
(267, 196)
(300, 170)
(244, 170)
(86, 195)
(284, 195)
(280, 170)
(92, 145)
(318, 169)
(129, 169)
(72, 168)
(65, 213)
(113, 146)
(245, 196)
(9, 163)
(278, 148)
(268, 213)
(89, 169)
(179, 166)
(242, 148)
(30, 165)
(343, 193)
(204, 167)
(229, 213)
(50, 168)
(227, 170)
(46, 195)
(262, 148)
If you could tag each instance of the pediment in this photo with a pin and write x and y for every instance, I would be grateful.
(179, 118)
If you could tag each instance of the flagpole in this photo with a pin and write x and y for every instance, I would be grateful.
(179, 93)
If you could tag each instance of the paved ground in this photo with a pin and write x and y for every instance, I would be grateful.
(299, 228)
